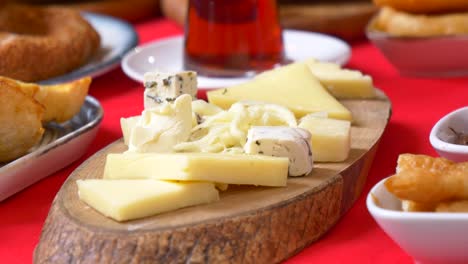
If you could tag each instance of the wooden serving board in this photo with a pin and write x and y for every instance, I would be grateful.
(248, 224)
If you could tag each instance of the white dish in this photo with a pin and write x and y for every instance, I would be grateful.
(117, 38)
(167, 55)
(61, 145)
(441, 135)
(438, 56)
(430, 238)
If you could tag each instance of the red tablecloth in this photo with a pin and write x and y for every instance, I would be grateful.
(417, 105)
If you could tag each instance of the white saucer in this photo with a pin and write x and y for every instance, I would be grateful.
(167, 55)
(117, 38)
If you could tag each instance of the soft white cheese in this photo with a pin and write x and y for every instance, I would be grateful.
(166, 87)
(127, 124)
(162, 127)
(279, 141)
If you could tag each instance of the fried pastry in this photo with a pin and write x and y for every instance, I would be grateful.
(20, 119)
(411, 161)
(61, 101)
(398, 23)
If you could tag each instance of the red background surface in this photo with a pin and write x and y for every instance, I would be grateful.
(417, 105)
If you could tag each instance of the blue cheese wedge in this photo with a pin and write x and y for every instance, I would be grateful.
(166, 87)
(279, 141)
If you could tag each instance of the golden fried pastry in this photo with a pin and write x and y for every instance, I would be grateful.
(399, 23)
(20, 119)
(37, 43)
(425, 6)
(61, 101)
(453, 206)
(25, 106)
(430, 186)
(413, 161)
(412, 206)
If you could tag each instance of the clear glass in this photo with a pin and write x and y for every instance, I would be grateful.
(225, 38)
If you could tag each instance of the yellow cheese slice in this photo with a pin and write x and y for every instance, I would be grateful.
(342, 83)
(212, 167)
(131, 199)
(293, 86)
(330, 141)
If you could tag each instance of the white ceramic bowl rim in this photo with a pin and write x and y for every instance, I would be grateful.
(443, 145)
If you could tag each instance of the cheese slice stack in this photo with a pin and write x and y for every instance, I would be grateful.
(131, 199)
(293, 86)
(342, 83)
(211, 167)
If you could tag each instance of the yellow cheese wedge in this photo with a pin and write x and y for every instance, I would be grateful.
(212, 167)
(330, 141)
(342, 83)
(131, 199)
(293, 86)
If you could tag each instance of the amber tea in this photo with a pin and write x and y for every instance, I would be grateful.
(232, 37)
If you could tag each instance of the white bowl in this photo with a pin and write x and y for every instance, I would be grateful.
(441, 135)
(438, 56)
(430, 238)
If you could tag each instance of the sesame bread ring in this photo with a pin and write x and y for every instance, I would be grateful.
(37, 43)
(425, 6)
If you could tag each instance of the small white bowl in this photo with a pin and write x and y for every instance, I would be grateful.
(438, 56)
(441, 136)
(430, 238)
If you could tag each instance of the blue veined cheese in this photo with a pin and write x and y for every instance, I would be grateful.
(166, 87)
(279, 141)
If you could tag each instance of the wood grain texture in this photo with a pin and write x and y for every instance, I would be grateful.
(248, 224)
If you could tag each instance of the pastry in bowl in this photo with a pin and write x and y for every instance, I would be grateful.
(398, 23)
(423, 208)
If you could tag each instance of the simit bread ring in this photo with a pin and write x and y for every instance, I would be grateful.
(425, 6)
(404, 24)
(37, 43)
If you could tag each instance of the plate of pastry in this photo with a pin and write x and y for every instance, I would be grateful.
(44, 128)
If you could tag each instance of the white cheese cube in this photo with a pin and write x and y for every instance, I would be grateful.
(166, 87)
(279, 141)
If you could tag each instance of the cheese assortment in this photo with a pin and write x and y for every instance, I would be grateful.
(181, 151)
